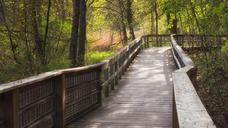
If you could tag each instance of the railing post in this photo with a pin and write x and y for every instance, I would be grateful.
(116, 71)
(9, 109)
(104, 78)
(145, 44)
(15, 100)
(120, 67)
(60, 101)
(99, 74)
(111, 73)
(147, 41)
(148, 44)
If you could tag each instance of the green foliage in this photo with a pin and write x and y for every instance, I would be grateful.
(101, 15)
(58, 63)
(97, 56)
(225, 48)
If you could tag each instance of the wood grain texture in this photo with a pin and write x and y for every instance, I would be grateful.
(44, 76)
(143, 98)
(191, 113)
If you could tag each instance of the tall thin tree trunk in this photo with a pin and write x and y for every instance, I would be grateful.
(28, 47)
(156, 19)
(36, 20)
(73, 54)
(124, 33)
(130, 19)
(82, 33)
(13, 46)
(195, 17)
(174, 27)
(152, 21)
(46, 30)
(181, 23)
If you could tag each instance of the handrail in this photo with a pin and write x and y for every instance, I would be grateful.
(43, 76)
(204, 35)
(191, 42)
(180, 57)
(188, 110)
(116, 65)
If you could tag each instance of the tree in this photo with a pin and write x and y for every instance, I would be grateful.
(78, 33)
(82, 33)
(73, 53)
(36, 21)
(130, 19)
(156, 20)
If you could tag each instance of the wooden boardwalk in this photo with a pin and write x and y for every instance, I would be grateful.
(143, 98)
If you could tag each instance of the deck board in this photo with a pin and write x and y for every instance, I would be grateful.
(143, 98)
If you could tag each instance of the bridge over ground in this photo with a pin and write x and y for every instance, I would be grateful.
(139, 87)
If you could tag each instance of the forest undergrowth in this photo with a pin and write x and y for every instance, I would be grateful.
(212, 69)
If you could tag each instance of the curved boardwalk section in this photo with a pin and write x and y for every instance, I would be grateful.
(143, 98)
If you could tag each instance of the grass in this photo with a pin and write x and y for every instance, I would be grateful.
(97, 56)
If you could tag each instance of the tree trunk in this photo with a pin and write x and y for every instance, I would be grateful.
(13, 46)
(195, 17)
(74, 33)
(122, 23)
(130, 19)
(46, 29)
(174, 27)
(82, 33)
(27, 44)
(124, 33)
(152, 22)
(36, 20)
(156, 19)
(181, 23)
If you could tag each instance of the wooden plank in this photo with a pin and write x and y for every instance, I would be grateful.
(28, 81)
(60, 101)
(44, 76)
(16, 119)
(143, 97)
(6, 109)
(191, 113)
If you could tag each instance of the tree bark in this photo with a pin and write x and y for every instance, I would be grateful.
(36, 20)
(152, 21)
(46, 29)
(130, 19)
(82, 33)
(124, 32)
(122, 23)
(174, 27)
(27, 44)
(73, 54)
(156, 19)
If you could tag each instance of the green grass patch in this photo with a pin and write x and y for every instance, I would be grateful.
(97, 56)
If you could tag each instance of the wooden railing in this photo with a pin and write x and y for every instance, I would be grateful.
(191, 42)
(188, 110)
(50, 99)
(157, 40)
(54, 99)
(116, 65)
